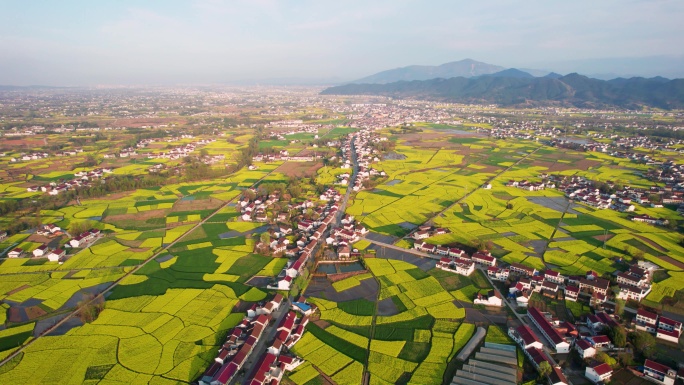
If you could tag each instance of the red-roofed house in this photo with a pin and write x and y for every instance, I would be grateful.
(551, 334)
(525, 337)
(647, 321)
(598, 373)
(584, 348)
(659, 372)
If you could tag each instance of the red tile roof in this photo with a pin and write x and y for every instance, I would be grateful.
(544, 324)
(602, 369)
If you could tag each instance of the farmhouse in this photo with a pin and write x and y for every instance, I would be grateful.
(525, 337)
(584, 348)
(571, 293)
(484, 259)
(40, 250)
(659, 373)
(456, 265)
(15, 253)
(492, 298)
(647, 321)
(598, 373)
(551, 334)
(522, 269)
(635, 293)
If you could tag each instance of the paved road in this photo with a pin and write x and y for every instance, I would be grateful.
(409, 251)
(355, 171)
(260, 347)
(118, 281)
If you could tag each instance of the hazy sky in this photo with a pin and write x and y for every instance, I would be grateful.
(145, 42)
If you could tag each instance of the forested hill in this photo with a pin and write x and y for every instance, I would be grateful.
(570, 90)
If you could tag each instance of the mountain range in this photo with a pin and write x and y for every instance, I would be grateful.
(465, 68)
(513, 87)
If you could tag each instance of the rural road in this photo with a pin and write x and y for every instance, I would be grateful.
(410, 251)
(118, 281)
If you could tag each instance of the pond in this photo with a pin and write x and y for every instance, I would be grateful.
(327, 268)
(335, 268)
(349, 267)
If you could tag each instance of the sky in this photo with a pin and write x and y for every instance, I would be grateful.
(74, 43)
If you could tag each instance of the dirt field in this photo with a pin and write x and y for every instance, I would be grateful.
(651, 243)
(300, 169)
(197, 204)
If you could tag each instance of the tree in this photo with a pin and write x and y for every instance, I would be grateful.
(544, 369)
(618, 335)
(89, 308)
(620, 309)
(605, 358)
(643, 342)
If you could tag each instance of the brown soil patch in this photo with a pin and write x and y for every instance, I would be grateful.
(299, 169)
(603, 237)
(652, 243)
(20, 288)
(16, 314)
(197, 204)
(138, 249)
(130, 243)
(34, 312)
(13, 144)
(551, 166)
(672, 261)
(138, 216)
(322, 324)
(585, 164)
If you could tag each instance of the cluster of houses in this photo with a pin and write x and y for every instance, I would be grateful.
(274, 362)
(550, 282)
(32, 156)
(664, 328)
(530, 186)
(255, 209)
(561, 337)
(81, 179)
(457, 261)
(84, 238)
(71, 152)
(311, 233)
(49, 230)
(365, 155)
(242, 340)
(42, 251)
(282, 156)
(425, 231)
(180, 152)
(533, 349)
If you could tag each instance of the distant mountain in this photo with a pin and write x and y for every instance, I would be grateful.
(570, 90)
(511, 73)
(553, 75)
(464, 68)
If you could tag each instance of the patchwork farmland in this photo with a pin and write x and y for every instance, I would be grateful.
(132, 255)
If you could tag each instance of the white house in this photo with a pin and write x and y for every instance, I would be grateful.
(16, 253)
(598, 373)
(55, 255)
(660, 373)
(584, 349)
(40, 251)
(492, 298)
